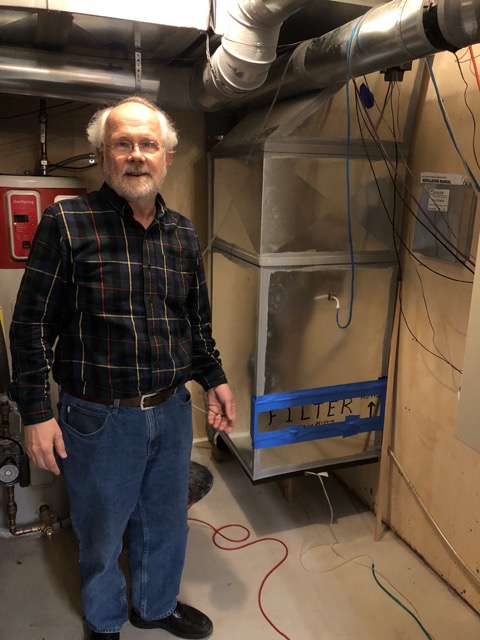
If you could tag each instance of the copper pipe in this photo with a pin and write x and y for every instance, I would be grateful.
(45, 525)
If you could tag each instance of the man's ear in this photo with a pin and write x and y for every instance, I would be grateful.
(100, 156)
(169, 158)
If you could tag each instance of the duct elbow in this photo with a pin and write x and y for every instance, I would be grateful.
(233, 75)
(248, 49)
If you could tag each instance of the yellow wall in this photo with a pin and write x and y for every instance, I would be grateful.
(443, 471)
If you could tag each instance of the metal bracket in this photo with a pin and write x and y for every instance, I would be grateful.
(138, 59)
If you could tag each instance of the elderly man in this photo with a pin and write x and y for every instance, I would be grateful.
(114, 301)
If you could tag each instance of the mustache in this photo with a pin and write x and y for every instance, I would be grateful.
(137, 167)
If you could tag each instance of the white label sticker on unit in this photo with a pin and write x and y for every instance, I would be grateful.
(438, 200)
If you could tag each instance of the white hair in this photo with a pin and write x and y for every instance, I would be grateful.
(96, 126)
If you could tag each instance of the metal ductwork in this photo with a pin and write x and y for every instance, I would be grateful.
(243, 67)
(248, 49)
(387, 36)
(239, 65)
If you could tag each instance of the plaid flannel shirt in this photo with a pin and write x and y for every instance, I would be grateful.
(115, 310)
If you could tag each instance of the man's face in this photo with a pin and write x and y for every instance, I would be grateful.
(135, 176)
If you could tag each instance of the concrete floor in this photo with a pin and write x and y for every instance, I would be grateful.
(325, 589)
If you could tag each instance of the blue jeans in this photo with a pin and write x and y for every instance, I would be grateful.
(128, 469)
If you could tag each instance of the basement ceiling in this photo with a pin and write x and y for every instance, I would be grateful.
(206, 55)
(172, 34)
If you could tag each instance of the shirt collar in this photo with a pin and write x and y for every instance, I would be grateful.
(122, 206)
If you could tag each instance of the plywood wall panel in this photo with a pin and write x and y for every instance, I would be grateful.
(444, 472)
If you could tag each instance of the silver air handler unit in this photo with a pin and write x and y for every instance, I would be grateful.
(305, 319)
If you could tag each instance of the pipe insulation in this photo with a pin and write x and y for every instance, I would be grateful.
(386, 36)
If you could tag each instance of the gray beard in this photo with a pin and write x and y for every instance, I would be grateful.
(146, 189)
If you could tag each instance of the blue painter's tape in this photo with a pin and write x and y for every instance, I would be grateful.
(352, 425)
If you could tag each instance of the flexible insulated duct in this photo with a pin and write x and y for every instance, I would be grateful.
(387, 35)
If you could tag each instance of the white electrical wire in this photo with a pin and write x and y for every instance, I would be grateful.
(431, 519)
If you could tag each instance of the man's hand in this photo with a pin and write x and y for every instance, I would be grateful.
(41, 440)
(221, 408)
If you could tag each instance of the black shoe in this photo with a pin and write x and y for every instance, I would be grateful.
(104, 636)
(184, 622)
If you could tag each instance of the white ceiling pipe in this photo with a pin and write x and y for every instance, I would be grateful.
(248, 46)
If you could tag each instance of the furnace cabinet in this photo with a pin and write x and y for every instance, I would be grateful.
(304, 274)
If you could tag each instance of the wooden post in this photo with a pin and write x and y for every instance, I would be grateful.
(387, 427)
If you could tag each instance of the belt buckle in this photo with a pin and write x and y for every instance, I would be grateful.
(143, 397)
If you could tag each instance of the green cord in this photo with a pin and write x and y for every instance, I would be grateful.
(400, 604)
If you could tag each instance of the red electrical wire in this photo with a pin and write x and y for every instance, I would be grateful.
(474, 62)
(218, 532)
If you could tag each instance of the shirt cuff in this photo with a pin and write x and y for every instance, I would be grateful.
(35, 412)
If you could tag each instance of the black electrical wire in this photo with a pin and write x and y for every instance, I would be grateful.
(372, 129)
(77, 108)
(52, 166)
(35, 112)
(82, 156)
(397, 235)
(389, 168)
(470, 110)
(399, 193)
(390, 93)
(63, 164)
(434, 333)
(438, 355)
(423, 224)
(449, 127)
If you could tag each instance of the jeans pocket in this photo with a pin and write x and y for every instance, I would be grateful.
(182, 394)
(83, 418)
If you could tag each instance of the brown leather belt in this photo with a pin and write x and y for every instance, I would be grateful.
(147, 401)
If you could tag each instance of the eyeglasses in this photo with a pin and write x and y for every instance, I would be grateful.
(125, 148)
